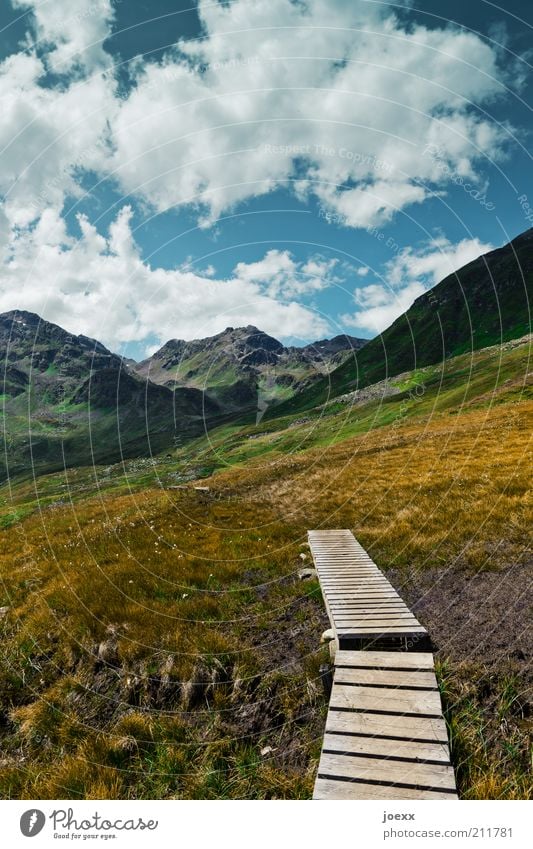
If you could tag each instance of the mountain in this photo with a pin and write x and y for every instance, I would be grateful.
(484, 303)
(243, 366)
(67, 399)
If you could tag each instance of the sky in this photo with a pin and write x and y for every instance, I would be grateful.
(311, 167)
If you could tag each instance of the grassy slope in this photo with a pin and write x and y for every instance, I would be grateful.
(493, 294)
(45, 436)
(158, 640)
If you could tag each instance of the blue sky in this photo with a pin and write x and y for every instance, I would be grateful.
(168, 169)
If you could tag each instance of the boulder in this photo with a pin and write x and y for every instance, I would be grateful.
(307, 574)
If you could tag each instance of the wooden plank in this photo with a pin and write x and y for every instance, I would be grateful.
(330, 563)
(346, 626)
(394, 700)
(344, 584)
(381, 628)
(355, 584)
(368, 581)
(339, 553)
(401, 678)
(405, 625)
(397, 660)
(362, 594)
(375, 618)
(334, 569)
(362, 597)
(371, 612)
(329, 560)
(329, 557)
(355, 632)
(361, 604)
(405, 749)
(430, 729)
(433, 776)
(368, 608)
(326, 788)
(346, 572)
(362, 589)
(323, 532)
(333, 575)
(372, 601)
(376, 601)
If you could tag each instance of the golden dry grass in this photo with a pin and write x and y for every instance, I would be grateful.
(157, 642)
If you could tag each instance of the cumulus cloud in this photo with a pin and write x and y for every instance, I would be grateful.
(286, 278)
(47, 135)
(72, 30)
(406, 277)
(336, 100)
(434, 262)
(332, 100)
(99, 285)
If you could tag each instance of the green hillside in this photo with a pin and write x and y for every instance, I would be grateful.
(486, 302)
(66, 400)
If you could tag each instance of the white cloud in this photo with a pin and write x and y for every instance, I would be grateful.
(381, 306)
(434, 262)
(337, 100)
(99, 285)
(46, 134)
(285, 278)
(406, 277)
(74, 30)
(341, 98)
(330, 99)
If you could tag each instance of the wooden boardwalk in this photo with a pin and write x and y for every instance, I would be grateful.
(385, 735)
(364, 609)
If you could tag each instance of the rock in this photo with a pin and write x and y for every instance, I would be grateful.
(307, 574)
(302, 556)
(107, 652)
(4, 611)
(327, 636)
(266, 750)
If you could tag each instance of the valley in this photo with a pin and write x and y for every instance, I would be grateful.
(169, 648)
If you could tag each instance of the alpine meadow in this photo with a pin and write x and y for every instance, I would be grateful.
(266, 274)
